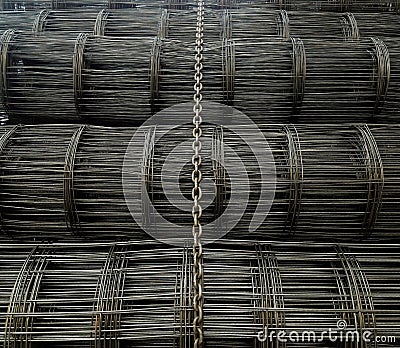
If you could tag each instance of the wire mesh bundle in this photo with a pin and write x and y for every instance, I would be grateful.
(330, 183)
(72, 186)
(342, 181)
(340, 79)
(139, 295)
(64, 21)
(138, 22)
(249, 23)
(326, 26)
(314, 78)
(53, 78)
(38, 77)
(64, 4)
(262, 79)
(118, 78)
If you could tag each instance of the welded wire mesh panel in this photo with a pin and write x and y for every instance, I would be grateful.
(139, 295)
(330, 182)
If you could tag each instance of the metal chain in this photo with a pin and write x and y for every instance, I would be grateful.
(198, 276)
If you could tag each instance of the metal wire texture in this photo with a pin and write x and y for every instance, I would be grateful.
(138, 295)
(332, 182)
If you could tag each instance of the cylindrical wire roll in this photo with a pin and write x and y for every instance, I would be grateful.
(340, 80)
(64, 21)
(382, 25)
(263, 84)
(70, 160)
(138, 295)
(249, 23)
(387, 57)
(39, 77)
(331, 182)
(57, 78)
(137, 22)
(117, 80)
(326, 26)
(312, 78)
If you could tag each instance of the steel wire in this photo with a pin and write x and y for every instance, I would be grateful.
(138, 295)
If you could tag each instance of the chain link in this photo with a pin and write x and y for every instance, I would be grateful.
(198, 276)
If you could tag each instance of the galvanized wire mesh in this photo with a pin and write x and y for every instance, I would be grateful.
(138, 295)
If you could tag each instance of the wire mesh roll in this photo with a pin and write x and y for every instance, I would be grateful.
(332, 182)
(54, 78)
(326, 26)
(248, 23)
(139, 295)
(116, 78)
(38, 82)
(55, 195)
(64, 21)
(262, 82)
(338, 5)
(314, 78)
(138, 22)
(329, 181)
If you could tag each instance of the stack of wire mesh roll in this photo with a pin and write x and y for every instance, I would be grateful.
(139, 295)
(300, 220)
(331, 182)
